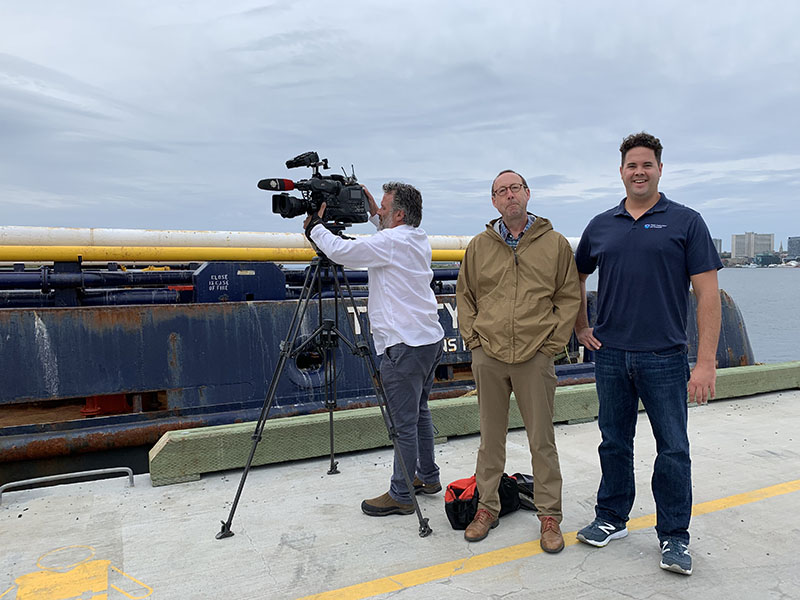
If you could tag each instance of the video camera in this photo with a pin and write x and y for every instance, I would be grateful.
(345, 199)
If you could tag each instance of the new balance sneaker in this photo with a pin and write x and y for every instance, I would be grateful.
(599, 533)
(675, 557)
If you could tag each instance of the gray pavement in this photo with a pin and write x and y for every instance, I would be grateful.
(299, 532)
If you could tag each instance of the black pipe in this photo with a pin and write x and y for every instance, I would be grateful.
(295, 277)
(35, 299)
(26, 299)
(47, 279)
(122, 297)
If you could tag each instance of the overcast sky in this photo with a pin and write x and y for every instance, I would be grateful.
(166, 114)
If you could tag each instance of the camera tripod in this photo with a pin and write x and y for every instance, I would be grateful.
(326, 337)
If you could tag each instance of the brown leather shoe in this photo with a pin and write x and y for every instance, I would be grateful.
(385, 505)
(480, 526)
(551, 541)
(426, 488)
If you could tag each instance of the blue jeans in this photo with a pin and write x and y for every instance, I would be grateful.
(660, 379)
(407, 376)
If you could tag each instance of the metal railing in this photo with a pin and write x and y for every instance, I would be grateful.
(62, 476)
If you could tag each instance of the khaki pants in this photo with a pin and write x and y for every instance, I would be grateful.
(533, 383)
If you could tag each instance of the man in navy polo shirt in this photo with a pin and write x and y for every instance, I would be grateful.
(648, 249)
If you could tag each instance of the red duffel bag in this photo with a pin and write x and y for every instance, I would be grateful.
(461, 500)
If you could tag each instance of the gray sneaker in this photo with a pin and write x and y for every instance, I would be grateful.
(599, 533)
(675, 557)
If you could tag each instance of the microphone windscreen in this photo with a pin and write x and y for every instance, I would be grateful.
(276, 185)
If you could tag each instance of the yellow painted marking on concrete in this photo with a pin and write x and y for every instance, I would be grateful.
(126, 594)
(71, 572)
(408, 579)
(59, 564)
(746, 497)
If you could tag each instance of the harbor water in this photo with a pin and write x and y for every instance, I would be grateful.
(768, 300)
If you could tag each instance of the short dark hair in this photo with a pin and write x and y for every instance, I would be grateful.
(525, 183)
(406, 198)
(641, 140)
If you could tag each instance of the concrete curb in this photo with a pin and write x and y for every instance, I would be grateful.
(184, 455)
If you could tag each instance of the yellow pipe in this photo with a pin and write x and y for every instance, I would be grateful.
(144, 254)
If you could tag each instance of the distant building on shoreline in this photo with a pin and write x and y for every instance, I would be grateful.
(717, 244)
(793, 247)
(750, 245)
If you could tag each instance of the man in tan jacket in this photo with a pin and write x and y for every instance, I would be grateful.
(518, 296)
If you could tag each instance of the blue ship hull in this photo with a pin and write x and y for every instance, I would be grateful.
(171, 366)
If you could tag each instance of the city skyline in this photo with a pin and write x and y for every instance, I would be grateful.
(775, 245)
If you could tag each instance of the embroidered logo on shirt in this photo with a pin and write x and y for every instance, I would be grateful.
(654, 226)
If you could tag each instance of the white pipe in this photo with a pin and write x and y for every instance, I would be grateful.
(13, 235)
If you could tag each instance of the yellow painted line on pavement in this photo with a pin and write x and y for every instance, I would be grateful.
(462, 566)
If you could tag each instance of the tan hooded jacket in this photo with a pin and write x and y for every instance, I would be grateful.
(515, 303)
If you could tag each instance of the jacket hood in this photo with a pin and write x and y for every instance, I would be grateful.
(539, 227)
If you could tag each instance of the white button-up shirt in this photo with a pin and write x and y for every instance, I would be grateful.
(402, 306)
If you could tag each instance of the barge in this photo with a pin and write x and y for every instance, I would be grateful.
(110, 338)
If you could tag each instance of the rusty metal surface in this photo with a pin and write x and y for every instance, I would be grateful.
(18, 448)
(207, 363)
(200, 354)
(210, 363)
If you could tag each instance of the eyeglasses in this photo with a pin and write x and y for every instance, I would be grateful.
(514, 187)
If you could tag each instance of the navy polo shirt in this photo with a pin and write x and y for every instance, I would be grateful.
(645, 265)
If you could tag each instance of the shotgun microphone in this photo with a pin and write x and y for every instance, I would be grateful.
(276, 185)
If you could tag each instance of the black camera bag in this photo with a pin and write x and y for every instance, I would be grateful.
(461, 500)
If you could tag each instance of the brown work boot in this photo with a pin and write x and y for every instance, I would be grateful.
(385, 505)
(551, 541)
(426, 488)
(480, 526)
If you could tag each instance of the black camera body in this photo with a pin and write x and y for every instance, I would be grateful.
(345, 200)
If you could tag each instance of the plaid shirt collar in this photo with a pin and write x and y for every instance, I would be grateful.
(506, 234)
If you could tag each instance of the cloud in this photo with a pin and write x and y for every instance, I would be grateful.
(144, 114)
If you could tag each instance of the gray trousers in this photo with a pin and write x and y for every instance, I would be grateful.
(407, 375)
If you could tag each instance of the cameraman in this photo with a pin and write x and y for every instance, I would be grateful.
(405, 329)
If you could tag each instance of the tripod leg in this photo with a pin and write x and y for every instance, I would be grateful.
(330, 346)
(328, 337)
(287, 347)
(362, 349)
(334, 470)
(225, 531)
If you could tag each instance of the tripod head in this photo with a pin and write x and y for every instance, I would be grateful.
(336, 229)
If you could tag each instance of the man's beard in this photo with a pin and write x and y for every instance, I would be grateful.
(384, 221)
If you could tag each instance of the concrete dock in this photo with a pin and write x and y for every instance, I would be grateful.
(300, 533)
